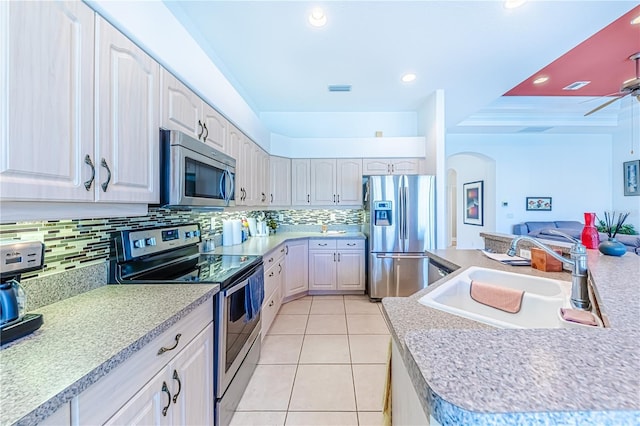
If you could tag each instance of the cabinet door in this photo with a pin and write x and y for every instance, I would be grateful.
(150, 406)
(215, 128)
(376, 166)
(264, 177)
(300, 182)
(46, 100)
(350, 270)
(180, 107)
(349, 181)
(245, 169)
(191, 374)
(323, 182)
(322, 269)
(127, 101)
(405, 166)
(280, 181)
(297, 267)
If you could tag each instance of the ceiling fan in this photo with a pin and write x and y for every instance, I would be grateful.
(631, 87)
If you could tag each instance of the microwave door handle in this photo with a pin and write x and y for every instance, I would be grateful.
(232, 186)
(221, 185)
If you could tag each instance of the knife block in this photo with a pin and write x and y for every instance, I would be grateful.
(542, 261)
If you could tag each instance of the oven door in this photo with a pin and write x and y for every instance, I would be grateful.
(235, 333)
(196, 177)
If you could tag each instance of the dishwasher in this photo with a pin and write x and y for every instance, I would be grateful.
(437, 271)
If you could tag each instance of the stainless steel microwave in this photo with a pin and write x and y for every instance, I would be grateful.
(193, 174)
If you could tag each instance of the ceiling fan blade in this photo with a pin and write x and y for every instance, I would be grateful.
(618, 93)
(604, 105)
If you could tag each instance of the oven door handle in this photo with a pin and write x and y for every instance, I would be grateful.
(229, 291)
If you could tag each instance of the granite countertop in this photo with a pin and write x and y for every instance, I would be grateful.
(470, 373)
(47, 368)
(262, 245)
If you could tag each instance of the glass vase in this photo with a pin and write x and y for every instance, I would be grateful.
(590, 237)
(612, 247)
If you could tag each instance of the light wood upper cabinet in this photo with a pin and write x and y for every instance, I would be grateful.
(215, 128)
(349, 181)
(280, 181)
(336, 182)
(391, 166)
(46, 100)
(180, 107)
(300, 182)
(323, 182)
(183, 110)
(128, 118)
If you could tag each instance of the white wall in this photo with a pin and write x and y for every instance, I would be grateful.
(341, 124)
(625, 140)
(154, 28)
(346, 148)
(472, 167)
(575, 170)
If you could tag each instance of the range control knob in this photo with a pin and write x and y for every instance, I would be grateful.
(150, 241)
(139, 243)
(196, 233)
(188, 234)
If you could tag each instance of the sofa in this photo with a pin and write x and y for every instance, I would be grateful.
(539, 229)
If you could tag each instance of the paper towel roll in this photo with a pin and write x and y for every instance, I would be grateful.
(253, 231)
(227, 233)
(237, 231)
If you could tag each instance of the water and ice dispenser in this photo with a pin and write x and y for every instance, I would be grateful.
(382, 213)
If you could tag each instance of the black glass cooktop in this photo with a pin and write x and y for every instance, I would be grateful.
(218, 268)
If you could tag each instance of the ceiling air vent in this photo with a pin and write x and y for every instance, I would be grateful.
(576, 85)
(534, 129)
(339, 87)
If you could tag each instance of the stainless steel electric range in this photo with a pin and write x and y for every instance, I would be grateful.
(170, 255)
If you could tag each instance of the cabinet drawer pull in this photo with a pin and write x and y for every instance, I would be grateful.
(105, 184)
(271, 303)
(176, 378)
(87, 184)
(166, 389)
(322, 244)
(201, 129)
(163, 349)
(351, 244)
(282, 250)
(270, 274)
(270, 259)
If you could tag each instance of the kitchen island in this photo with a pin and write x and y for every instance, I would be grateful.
(465, 372)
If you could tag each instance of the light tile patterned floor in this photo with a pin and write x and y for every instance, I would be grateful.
(323, 362)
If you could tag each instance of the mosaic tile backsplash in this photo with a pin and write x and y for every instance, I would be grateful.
(71, 244)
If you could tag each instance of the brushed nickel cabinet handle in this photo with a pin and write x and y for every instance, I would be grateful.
(271, 303)
(206, 135)
(286, 250)
(279, 269)
(338, 257)
(308, 198)
(271, 198)
(163, 349)
(166, 389)
(271, 274)
(201, 129)
(334, 257)
(338, 198)
(105, 184)
(87, 184)
(176, 378)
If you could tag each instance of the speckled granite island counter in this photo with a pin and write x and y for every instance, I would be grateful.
(465, 372)
(83, 338)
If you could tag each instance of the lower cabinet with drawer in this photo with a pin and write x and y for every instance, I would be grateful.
(274, 276)
(169, 381)
(336, 265)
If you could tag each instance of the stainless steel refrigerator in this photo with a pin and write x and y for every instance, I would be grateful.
(400, 226)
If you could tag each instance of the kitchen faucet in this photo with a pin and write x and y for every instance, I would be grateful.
(578, 262)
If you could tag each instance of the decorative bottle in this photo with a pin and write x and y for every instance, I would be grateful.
(590, 237)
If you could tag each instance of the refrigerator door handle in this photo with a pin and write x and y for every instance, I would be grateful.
(402, 256)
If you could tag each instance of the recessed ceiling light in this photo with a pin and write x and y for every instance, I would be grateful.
(512, 4)
(317, 18)
(541, 79)
(408, 77)
(636, 20)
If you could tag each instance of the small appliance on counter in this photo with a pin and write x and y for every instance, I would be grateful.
(16, 258)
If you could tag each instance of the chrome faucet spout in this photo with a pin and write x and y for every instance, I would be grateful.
(578, 263)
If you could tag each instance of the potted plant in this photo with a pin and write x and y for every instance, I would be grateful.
(612, 226)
